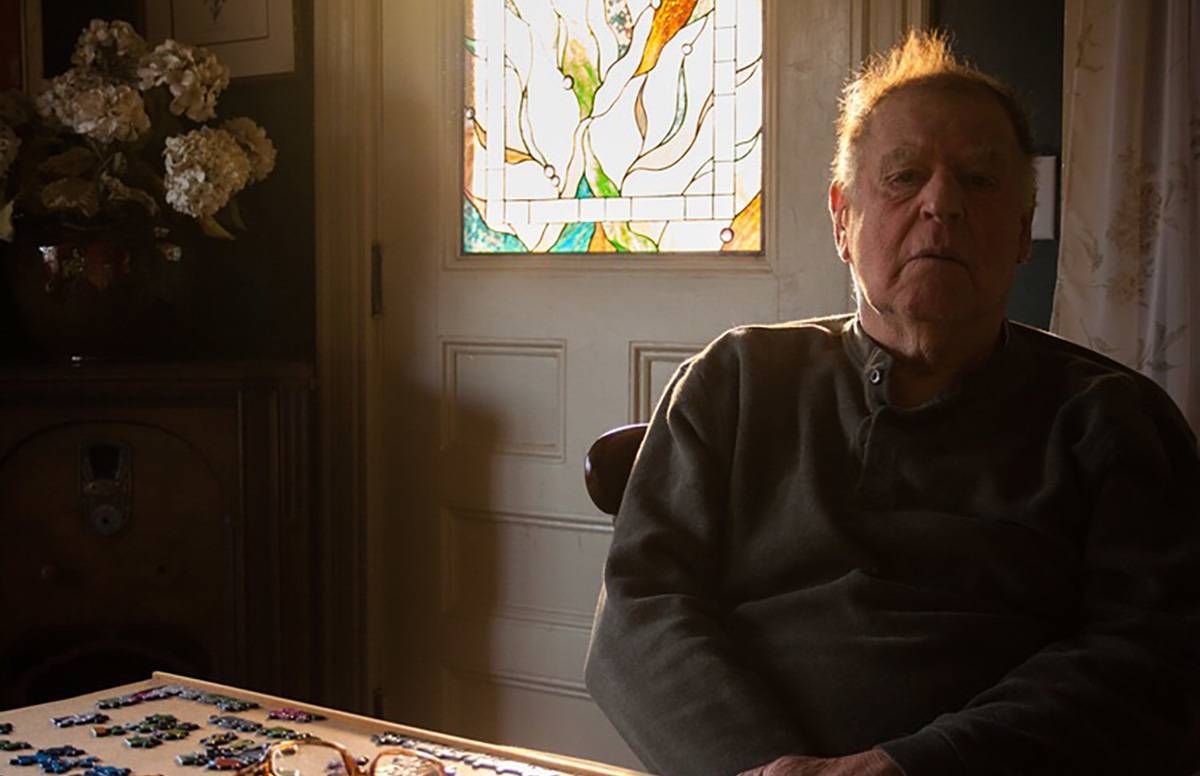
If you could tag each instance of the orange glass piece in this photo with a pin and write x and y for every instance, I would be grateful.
(600, 242)
(669, 18)
(747, 228)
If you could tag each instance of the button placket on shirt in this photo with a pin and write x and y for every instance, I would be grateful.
(875, 379)
(876, 453)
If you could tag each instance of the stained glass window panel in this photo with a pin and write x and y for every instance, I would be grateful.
(602, 126)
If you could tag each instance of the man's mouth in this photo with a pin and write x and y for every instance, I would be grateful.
(938, 255)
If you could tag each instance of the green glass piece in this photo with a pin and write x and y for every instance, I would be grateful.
(584, 78)
(625, 240)
(599, 180)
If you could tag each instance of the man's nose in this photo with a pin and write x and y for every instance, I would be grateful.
(942, 197)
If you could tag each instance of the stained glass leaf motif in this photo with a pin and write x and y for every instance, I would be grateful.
(669, 18)
(613, 126)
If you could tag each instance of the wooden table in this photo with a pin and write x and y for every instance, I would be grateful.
(32, 724)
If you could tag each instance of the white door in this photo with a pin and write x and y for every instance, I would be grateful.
(499, 373)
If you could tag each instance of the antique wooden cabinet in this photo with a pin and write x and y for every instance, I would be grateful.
(156, 517)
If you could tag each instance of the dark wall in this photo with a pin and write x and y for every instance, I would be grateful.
(1021, 43)
(256, 296)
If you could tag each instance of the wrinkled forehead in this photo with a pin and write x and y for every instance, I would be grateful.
(981, 154)
(920, 119)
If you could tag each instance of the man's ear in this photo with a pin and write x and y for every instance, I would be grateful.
(1025, 247)
(838, 214)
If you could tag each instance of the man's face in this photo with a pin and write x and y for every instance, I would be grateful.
(939, 214)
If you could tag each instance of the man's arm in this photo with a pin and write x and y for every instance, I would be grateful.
(662, 664)
(1120, 694)
(870, 763)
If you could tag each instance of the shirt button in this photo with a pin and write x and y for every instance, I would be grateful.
(875, 376)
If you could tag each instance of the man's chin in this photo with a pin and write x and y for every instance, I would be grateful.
(939, 313)
(943, 297)
(947, 308)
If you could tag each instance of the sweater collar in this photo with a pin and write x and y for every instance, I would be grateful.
(1006, 369)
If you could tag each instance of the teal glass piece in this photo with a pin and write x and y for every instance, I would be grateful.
(575, 238)
(479, 238)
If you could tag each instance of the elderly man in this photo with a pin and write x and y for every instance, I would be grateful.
(919, 539)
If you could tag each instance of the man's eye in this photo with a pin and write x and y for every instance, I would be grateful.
(904, 178)
(979, 180)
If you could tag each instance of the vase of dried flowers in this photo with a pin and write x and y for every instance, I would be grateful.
(106, 179)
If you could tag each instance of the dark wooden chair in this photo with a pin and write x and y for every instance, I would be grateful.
(607, 463)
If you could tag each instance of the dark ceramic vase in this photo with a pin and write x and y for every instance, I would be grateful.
(84, 295)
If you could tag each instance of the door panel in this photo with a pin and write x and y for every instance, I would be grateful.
(498, 373)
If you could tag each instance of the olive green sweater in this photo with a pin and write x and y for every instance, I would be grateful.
(1004, 580)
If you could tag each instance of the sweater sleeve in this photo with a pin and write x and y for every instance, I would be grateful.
(1119, 693)
(661, 663)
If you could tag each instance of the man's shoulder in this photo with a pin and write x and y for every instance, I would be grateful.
(1076, 362)
(792, 337)
(1049, 345)
(1087, 377)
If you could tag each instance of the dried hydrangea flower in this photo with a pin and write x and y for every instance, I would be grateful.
(113, 47)
(195, 77)
(258, 147)
(205, 167)
(95, 107)
(9, 143)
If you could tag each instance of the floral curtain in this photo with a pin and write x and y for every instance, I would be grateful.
(1128, 271)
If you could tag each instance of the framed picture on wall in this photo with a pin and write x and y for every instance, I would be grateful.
(49, 29)
(252, 37)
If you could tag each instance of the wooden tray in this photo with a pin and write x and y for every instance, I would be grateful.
(33, 724)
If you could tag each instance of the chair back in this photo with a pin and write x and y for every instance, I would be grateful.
(607, 464)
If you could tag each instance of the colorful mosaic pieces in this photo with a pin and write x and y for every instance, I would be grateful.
(240, 747)
(238, 744)
(222, 750)
(72, 720)
(218, 739)
(121, 701)
(222, 702)
(235, 723)
(59, 759)
(288, 714)
(244, 752)
(107, 770)
(164, 727)
(225, 764)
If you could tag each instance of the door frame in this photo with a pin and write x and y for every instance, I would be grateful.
(348, 107)
(346, 111)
